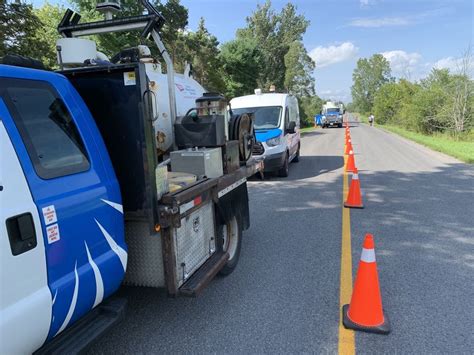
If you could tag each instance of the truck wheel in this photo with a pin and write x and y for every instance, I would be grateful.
(297, 156)
(231, 234)
(285, 169)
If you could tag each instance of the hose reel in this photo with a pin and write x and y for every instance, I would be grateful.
(241, 129)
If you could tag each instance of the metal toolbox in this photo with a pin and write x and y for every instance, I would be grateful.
(194, 241)
(201, 162)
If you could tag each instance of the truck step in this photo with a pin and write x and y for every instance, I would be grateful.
(78, 338)
(203, 276)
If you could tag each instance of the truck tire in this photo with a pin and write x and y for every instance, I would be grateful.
(231, 236)
(285, 169)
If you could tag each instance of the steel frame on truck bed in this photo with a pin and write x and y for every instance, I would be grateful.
(124, 115)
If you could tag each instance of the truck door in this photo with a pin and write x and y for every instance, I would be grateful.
(24, 288)
(76, 196)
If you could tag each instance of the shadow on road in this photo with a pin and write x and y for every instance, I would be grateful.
(284, 294)
(309, 167)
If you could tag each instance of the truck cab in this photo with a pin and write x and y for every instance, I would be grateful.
(277, 124)
(61, 216)
(332, 115)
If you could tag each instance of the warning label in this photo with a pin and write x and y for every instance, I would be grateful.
(53, 233)
(49, 215)
(129, 78)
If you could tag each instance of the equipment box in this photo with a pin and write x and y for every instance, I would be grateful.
(202, 162)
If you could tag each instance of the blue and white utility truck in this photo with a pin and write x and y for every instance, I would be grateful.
(87, 198)
(332, 114)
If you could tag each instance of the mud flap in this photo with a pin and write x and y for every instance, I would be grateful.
(234, 203)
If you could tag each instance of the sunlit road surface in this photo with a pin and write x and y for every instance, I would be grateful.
(284, 296)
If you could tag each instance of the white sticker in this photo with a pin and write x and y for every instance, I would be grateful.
(129, 78)
(49, 215)
(53, 233)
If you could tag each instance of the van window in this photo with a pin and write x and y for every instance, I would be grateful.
(293, 105)
(266, 117)
(46, 127)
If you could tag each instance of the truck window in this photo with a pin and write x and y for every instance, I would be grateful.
(46, 127)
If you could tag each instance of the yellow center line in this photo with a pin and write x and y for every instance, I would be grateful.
(346, 345)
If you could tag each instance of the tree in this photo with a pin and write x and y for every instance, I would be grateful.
(369, 75)
(49, 16)
(18, 26)
(203, 53)
(299, 68)
(241, 64)
(309, 107)
(274, 34)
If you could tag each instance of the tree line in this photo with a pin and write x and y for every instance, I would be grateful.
(442, 102)
(267, 51)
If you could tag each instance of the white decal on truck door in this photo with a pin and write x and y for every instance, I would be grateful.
(53, 233)
(49, 215)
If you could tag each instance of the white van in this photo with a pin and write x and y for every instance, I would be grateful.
(277, 123)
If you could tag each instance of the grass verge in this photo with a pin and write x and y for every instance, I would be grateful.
(462, 150)
(307, 129)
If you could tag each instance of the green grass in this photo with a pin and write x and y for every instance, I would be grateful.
(460, 149)
(363, 118)
(307, 129)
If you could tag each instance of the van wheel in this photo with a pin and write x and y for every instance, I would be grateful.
(231, 236)
(285, 169)
(297, 156)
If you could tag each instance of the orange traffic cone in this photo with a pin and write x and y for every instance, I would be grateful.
(365, 311)
(354, 198)
(348, 147)
(350, 166)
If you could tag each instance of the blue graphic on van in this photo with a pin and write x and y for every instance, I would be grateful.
(264, 135)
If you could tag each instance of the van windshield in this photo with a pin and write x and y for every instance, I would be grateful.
(265, 117)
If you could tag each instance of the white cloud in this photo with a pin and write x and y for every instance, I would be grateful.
(403, 64)
(381, 22)
(335, 95)
(451, 63)
(325, 56)
(455, 65)
(410, 19)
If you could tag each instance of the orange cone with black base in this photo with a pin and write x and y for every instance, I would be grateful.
(354, 198)
(348, 147)
(350, 166)
(365, 312)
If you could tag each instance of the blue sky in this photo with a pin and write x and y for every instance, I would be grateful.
(413, 35)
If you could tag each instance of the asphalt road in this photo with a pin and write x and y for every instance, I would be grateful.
(284, 295)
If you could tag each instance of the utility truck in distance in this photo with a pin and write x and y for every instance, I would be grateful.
(331, 115)
(111, 172)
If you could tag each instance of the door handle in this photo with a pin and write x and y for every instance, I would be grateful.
(21, 233)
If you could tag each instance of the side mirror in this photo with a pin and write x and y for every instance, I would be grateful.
(291, 127)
